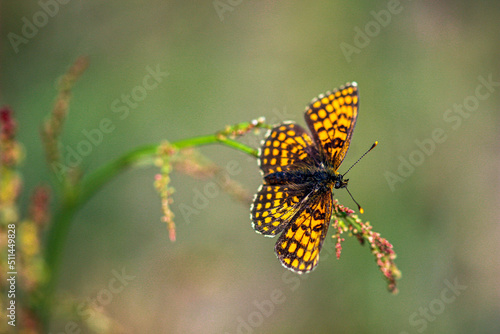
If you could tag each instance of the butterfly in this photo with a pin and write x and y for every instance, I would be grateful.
(300, 174)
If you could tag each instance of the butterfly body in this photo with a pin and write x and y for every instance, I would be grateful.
(318, 176)
(300, 174)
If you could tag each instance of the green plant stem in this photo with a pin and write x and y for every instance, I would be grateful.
(75, 197)
(57, 234)
(96, 180)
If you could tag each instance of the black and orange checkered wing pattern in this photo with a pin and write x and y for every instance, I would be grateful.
(285, 146)
(299, 245)
(331, 117)
(296, 198)
(273, 208)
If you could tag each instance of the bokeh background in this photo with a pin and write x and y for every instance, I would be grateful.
(232, 61)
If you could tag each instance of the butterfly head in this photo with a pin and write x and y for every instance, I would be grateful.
(340, 182)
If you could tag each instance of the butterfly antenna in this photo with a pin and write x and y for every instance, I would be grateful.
(359, 206)
(354, 164)
(371, 148)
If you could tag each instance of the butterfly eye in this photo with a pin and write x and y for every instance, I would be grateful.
(341, 183)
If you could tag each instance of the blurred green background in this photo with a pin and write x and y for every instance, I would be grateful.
(232, 61)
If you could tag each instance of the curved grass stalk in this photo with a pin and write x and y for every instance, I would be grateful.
(75, 196)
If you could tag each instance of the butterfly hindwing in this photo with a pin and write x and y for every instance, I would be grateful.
(331, 118)
(299, 245)
(273, 208)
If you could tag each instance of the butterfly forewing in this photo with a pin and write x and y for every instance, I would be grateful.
(284, 146)
(331, 118)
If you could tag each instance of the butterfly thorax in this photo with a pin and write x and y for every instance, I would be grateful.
(317, 176)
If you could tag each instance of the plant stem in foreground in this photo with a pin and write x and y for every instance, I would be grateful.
(82, 192)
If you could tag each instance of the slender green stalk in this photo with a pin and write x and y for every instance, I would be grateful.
(93, 182)
(101, 176)
(57, 234)
(75, 197)
(75, 192)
